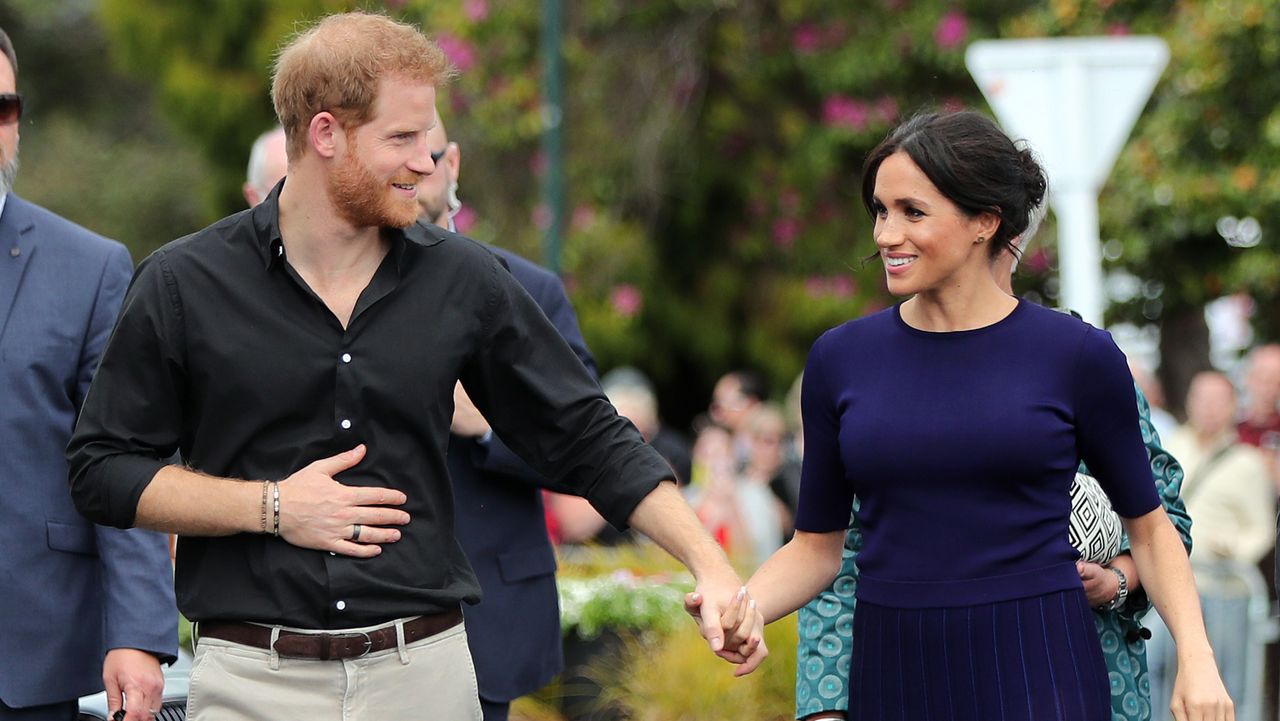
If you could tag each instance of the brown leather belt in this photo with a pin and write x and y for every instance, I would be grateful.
(330, 646)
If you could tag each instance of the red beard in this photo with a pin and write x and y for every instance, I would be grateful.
(362, 200)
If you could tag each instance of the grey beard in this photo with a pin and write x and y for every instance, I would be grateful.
(8, 173)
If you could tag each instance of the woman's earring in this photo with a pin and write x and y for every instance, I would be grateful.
(981, 239)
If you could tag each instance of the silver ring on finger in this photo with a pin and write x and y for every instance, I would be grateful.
(355, 532)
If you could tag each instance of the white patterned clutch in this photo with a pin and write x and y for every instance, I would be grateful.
(1095, 528)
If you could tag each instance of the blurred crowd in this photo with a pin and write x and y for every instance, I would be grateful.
(740, 471)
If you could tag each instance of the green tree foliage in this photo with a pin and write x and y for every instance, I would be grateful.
(713, 147)
(92, 148)
(713, 159)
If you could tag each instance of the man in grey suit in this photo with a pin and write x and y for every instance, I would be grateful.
(81, 605)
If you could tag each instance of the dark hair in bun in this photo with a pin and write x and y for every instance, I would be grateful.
(970, 161)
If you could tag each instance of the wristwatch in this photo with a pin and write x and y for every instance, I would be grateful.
(1122, 593)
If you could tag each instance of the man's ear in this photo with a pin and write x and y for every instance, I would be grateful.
(453, 158)
(325, 134)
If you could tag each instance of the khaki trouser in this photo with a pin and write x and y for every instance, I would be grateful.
(431, 679)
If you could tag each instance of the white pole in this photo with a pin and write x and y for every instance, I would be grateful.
(1079, 254)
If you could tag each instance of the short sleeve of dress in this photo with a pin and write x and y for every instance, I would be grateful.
(1107, 430)
(826, 495)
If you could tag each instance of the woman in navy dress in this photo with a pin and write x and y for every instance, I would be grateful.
(959, 418)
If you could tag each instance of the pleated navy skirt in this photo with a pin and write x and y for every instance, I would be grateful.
(1029, 659)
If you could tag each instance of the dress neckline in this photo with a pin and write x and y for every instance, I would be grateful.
(1009, 318)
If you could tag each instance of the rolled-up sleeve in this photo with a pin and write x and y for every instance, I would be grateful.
(131, 418)
(545, 405)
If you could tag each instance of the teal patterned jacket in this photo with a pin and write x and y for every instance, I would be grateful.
(825, 626)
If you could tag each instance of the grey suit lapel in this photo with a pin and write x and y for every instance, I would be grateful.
(17, 246)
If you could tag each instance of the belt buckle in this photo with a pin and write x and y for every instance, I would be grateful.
(368, 643)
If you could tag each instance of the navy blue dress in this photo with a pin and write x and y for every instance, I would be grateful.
(961, 447)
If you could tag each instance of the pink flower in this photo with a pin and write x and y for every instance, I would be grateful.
(541, 216)
(789, 200)
(1118, 29)
(952, 104)
(815, 286)
(538, 163)
(626, 300)
(952, 30)
(459, 51)
(785, 232)
(840, 111)
(476, 10)
(887, 109)
(842, 286)
(806, 39)
(583, 217)
(465, 220)
(1037, 261)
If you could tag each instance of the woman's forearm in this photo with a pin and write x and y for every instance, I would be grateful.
(1166, 574)
(796, 573)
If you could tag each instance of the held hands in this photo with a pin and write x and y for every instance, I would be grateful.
(1198, 693)
(318, 512)
(137, 675)
(734, 628)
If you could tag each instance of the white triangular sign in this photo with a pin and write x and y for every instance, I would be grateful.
(1073, 99)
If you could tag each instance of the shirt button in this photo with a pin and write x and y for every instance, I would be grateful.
(333, 553)
(345, 424)
(340, 605)
(346, 357)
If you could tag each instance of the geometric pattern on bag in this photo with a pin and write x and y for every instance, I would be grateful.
(1094, 530)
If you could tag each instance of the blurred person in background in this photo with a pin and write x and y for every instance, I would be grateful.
(1228, 491)
(825, 622)
(268, 163)
(1259, 424)
(733, 399)
(1260, 427)
(82, 606)
(631, 393)
(1163, 421)
(635, 390)
(1227, 487)
(763, 491)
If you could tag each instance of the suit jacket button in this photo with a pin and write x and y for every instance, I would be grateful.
(15, 251)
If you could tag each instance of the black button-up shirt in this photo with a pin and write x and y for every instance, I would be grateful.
(224, 354)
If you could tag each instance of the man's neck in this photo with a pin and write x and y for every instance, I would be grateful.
(318, 238)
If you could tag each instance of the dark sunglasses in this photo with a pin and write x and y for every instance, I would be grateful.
(437, 155)
(10, 108)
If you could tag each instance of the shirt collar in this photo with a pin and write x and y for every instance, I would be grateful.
(266, 228)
